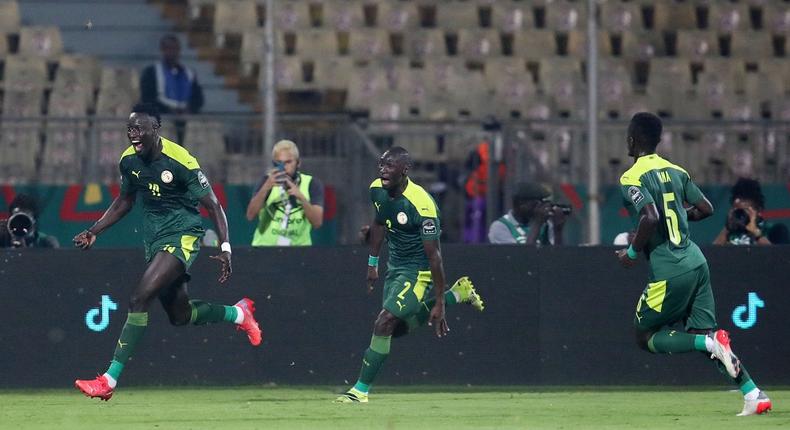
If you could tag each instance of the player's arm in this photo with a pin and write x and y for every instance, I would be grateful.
(217, 215)
(377, 232)
(648, 223)
(701, 207)
(117, 210)
(437, 320)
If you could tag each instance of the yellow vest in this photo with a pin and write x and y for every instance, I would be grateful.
(281, 223)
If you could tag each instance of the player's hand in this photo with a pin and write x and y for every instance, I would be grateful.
(84, 240)
(437, 321)
(625, 260)
(373, 276)
(224, 258)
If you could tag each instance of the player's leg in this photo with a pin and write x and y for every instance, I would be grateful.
(163, 270)
(462, 291)
(702, 315)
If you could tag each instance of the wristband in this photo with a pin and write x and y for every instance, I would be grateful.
(373, 261)
(632, 254)
(225, 247)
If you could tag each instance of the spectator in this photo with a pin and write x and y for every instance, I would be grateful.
(20, 230)
(287, 202)
(170, 85)
(744, 224)
(480, 159)
(533, 220)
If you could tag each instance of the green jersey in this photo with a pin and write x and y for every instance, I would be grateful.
(409, 219)
(169, 187)
(655, 180)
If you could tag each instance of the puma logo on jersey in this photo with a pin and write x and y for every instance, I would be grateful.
(136, 174)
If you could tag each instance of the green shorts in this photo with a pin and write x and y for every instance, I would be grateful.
(404, 291)
(185, 247)
(686, 298)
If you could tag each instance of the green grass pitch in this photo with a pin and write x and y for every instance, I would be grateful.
(390, 408)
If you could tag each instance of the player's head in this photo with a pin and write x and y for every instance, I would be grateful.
(287, 153)
(747, 192)
(394, 167)
(644, 133)
(526, 198)
(170, 48)
(142, 129)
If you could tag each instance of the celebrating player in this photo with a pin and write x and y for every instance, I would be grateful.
(679, 290)
(170, 184)
(409, 218)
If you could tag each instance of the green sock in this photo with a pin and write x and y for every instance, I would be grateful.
(672, 341)
(374, 357)
(204, 312)
(132, 332)
(743, 380)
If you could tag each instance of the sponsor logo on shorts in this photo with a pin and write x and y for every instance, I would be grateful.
(635, 195)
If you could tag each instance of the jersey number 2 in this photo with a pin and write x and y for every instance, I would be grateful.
(672, 219)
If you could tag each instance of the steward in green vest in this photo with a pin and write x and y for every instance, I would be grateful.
(288, 204)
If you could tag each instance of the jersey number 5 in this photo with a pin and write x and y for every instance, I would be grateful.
(673, 228)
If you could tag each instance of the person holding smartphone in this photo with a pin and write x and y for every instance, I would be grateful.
(287, 203)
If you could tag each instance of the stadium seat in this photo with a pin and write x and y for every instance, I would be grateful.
(728, 17)
(535, 44)
(673, 15)
(641, 45)
(289, 74)
(396, 16)
(333, 72)
(343, 15)
(292, 16)
(9, 17)
(72, 84)
(763, 87)
(39, 41)
(111, 141)
(3, 46)
(445, 74)
(87, 66)
(389, 106)
(479, 44)
(234, 17)
(316, 43)
(731, 70)
(206, 142)
(512, 16)
(561, 80)
(696, 44)
(457, 16)
(369, 44)
(564, 16)
(19, 147)
(121, 78)
(115, 102)
(576, 44)
(365, 82)
(776, 17)
(20, 103)
(619, 17)
(422, 44)
(252, 49)
(63, 152)
(500, 69)
(669, 81)
(614, 86)
(25, 73)
(751, 45)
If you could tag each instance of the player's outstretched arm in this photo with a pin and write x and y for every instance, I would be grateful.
(376, 240)
(648, 222)
(217, 215)
(117, 210)
(436, 318)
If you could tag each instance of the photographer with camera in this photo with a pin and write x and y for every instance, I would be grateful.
(534, 219)
(744, 225)
(288, 203)
(20, 230)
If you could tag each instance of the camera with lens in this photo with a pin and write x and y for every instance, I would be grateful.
(21, 228)
(566, 209)
(739, 219)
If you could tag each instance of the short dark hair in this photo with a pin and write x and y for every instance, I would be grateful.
(750, 189)
(149, 109)
(528, 191)
(169, 38)
(401, 153)
(646, 129)
(24, 202)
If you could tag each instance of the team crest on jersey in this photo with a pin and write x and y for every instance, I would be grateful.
(202, 179)
(166, 176)
(429, 226)
(635, 195)
(402, 218)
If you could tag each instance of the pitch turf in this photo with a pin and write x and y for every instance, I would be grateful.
(390, 408)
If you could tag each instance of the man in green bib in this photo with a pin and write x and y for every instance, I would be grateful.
(662, 199)
(288, 203)
(409, 219)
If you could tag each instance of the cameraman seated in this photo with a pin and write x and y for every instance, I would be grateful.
(533, 220)
(20, 230)
(744, 225)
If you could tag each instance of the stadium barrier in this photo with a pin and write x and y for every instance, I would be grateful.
(553, 316)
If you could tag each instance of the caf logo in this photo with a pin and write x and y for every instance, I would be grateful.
(402, 218)
(167, 177)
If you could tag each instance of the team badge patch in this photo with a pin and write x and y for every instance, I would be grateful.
(402, 218)
(429, 226)
(167, 176)
(635, 195)
(202, 179)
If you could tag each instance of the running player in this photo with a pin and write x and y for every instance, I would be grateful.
(409, 218)
(655, 193)
(170, 184)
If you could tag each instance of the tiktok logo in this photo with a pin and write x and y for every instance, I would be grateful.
(750, 310)
(103, 313)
